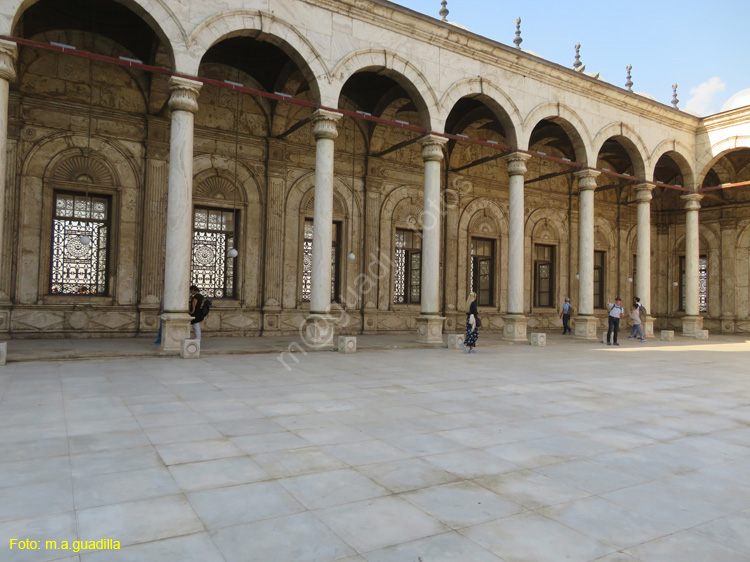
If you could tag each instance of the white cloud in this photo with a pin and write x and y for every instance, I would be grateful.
(703, 95)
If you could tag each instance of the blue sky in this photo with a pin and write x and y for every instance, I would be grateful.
(700, 45)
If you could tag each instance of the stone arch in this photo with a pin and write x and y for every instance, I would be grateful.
(156, 13)
(681, 156)
(486, 218)
(299, 205)
(407, 199)
(709, 158)
(571, 123)
(396, 67)
(216, 174)
(633, 144)
(499, 102)
(263, 26)
(51, 164)
(548, 227)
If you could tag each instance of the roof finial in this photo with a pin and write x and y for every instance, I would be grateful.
(444, 11)
(675, 101)
(629, 83)
(577, 64)
(518, 39)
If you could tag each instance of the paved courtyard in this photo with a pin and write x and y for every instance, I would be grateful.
(572, 452)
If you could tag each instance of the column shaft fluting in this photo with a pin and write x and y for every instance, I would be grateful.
(517, 216)
(183, 103)
(432, 154)
(324, 129)
(643, 259)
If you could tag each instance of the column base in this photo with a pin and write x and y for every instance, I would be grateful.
(175, 329)
(430, 329)
(319, 331)
(515, 328)
(584, 328)
(648, 327)
(690, 324)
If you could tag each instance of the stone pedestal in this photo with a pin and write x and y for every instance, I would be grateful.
(701, 334)
(347, 344)
(3, 352)
(690, 324)
(175, 328)
(538, 339)
(515, 328)
(191, 349)
(584, 327)
(648, 328)
(430, 329)
(667, 335)
(455, 341)
(319, 330)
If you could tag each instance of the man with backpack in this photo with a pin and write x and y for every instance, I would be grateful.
(199, 307)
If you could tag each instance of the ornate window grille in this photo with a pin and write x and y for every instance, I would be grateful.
(211, 268)
(408, 267)
(600, 259)
(483, 270)
(78, 268)
(544, 276)
(307, 248)
(702, 284)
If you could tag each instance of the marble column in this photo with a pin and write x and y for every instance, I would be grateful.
(585, 323)
(692, 321)
(8, 52)
(320, 324)
(515, 321)
(643, 260)
(183, 102)
(430, 322)
(374, 272)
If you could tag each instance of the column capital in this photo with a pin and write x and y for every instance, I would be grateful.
(432, 148)
(587, 179)
(184, 94)
(692, 201)
(516, 163)
(643, 192)
(8, 55)
(324, 124)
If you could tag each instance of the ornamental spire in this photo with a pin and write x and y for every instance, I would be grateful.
(518, 39)
(629, 83)
(578, 64)
(444, 10)
(675, 101)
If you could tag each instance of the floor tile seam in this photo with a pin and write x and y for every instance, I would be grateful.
(590, 493)
(361, 553)
(688, 530)
(616, 548)
(732, 511)
(448, 532)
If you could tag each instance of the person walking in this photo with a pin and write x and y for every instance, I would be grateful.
(196, 310)
(615, 313)
(157, 341)
(635, 316)
(472, 324)
(565, 315)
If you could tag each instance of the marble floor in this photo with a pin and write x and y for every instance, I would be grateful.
(571, 452)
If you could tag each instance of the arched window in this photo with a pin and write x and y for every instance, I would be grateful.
(216, 222)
